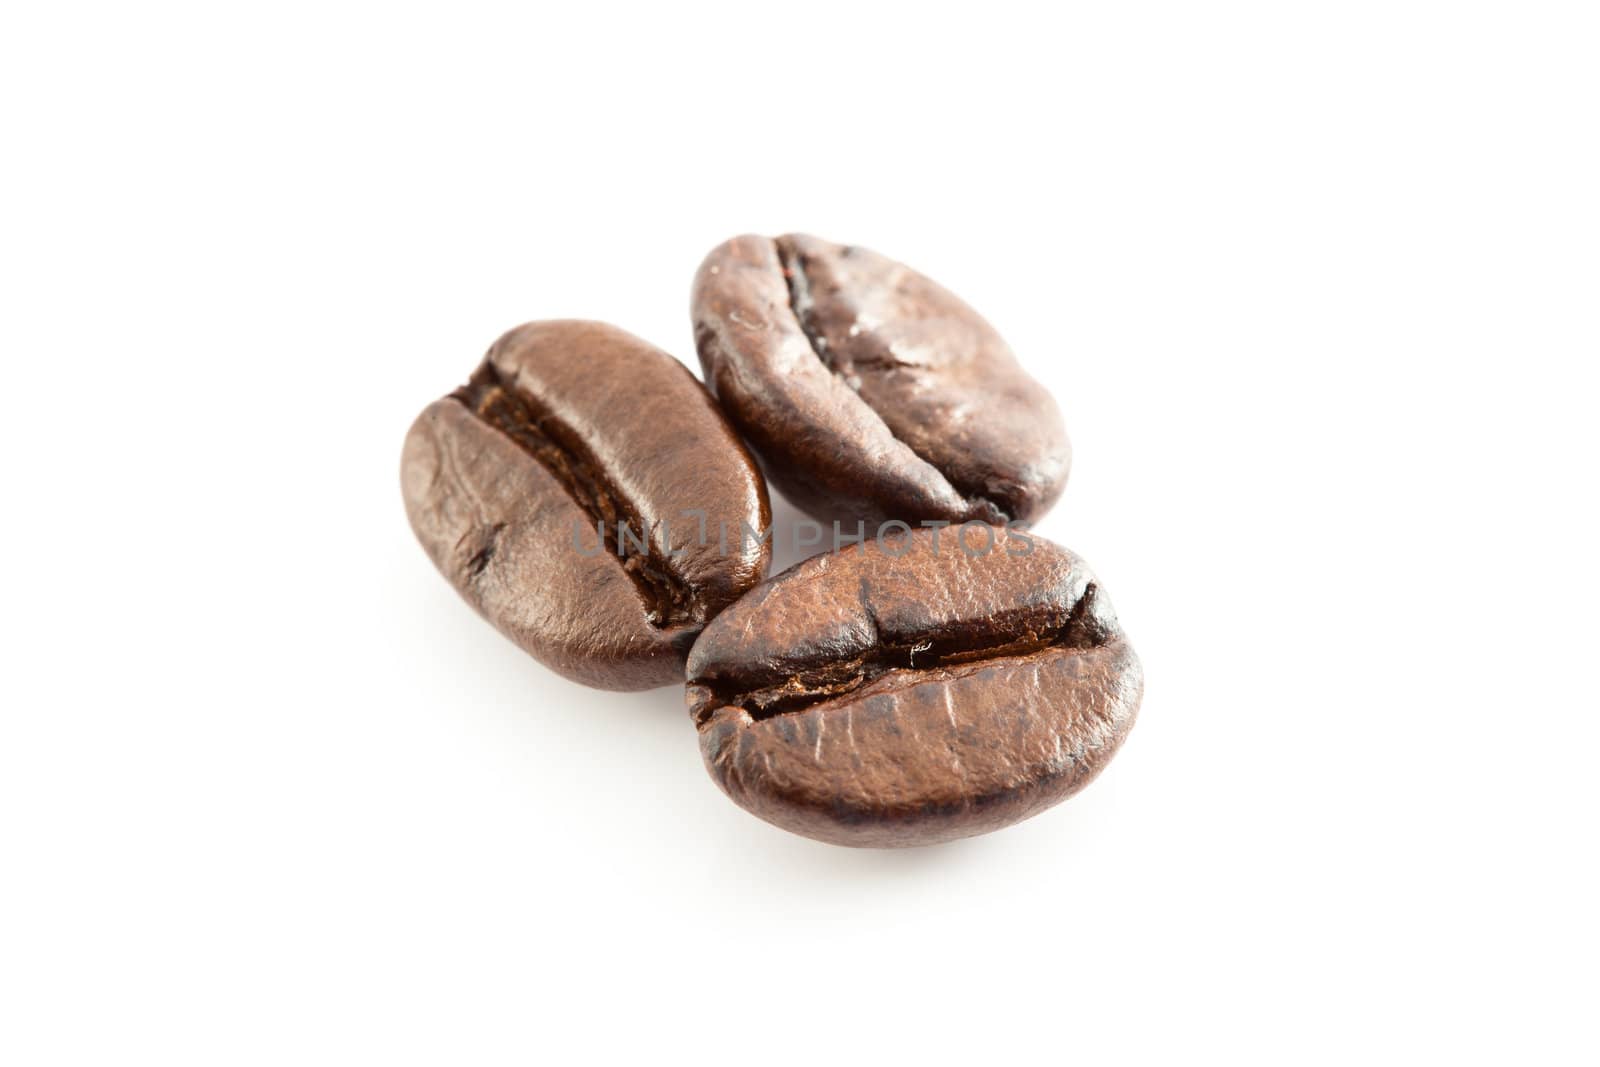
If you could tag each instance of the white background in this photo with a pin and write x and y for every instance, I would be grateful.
(1315, 286)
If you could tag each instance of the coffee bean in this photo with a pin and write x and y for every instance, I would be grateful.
(565, 427)
(913, 690)
(869, 391)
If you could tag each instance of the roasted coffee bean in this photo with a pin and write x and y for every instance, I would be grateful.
(914, 689)
(869, 391)
(515, 484)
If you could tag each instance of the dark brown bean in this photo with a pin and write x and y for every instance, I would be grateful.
(869, 391)
(565, 426)
(909, 691)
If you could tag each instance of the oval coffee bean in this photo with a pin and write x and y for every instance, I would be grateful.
(569, 426)
(869, 391)
(912, 690)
